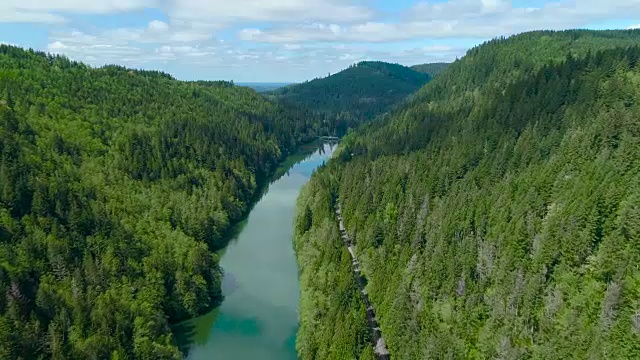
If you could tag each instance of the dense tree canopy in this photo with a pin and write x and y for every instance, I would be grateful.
(497, 215)
(116, 185)
(333, 323)
(431, 69)
(356, 94)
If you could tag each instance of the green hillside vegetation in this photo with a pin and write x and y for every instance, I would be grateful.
(331, 294)
(116, 186)
(354, 95)
(497, 215)
(431, 69)
(264, 87)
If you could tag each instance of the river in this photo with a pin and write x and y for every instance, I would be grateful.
(258, 318)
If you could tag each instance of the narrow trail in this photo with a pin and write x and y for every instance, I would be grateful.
(379, 345)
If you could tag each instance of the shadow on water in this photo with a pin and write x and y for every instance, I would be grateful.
(196, 331)
(304, 152)
(189, 332)
(283, 169)
(291, 342)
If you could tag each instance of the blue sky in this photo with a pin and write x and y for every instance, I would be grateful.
(285, 40)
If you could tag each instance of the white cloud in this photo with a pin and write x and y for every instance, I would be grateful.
(269, 10)
(455, 18)
(57, 46)
(12, 15)
(52, 11)
(457, 9)
(350, 57)
(157, 25)
(347, 54)
(633, 27)
(249, 34)
(158, 41)
(155, 32)
(228, 60)
(80, 6)
(212, 11)
(184, 50)
(303, 37)
(103, 53)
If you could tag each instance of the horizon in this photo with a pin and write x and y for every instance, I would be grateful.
(271, 41)
(240, 83)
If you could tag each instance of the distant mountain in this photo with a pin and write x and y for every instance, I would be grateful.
(263, 86)
(431, 69)
(356, 94)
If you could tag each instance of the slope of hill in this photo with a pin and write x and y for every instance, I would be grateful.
(485, 69)
(115, 187)
(431, 69)
(356, 94)
(497, 214)
(263, 86)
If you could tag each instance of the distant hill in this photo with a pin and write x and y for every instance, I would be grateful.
(263, 86)
(431, 69)
(356, 94)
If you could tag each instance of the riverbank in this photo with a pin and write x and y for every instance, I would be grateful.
(258, 318)
(333, 315)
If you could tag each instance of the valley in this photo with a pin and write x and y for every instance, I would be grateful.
(258, 317)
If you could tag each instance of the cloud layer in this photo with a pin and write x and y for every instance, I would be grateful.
(297, 38)
(54, 11)
(455, 19)
(268, 10)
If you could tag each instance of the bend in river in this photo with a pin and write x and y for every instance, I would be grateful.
(258, 318)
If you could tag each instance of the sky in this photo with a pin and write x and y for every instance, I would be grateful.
(285, 40)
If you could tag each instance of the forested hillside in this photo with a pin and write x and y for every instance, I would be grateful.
(262, 87)
(116, 186)
(354, 95)
(431, 69)
(497, 215)
(333, 323)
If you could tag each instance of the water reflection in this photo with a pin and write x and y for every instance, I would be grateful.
(258, 318)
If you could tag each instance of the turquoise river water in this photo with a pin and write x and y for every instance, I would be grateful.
(258, 319)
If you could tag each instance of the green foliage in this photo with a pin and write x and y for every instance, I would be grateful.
(431, 69)
(332, 314)
(496, 214)
(354, 95)
(116, 186)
